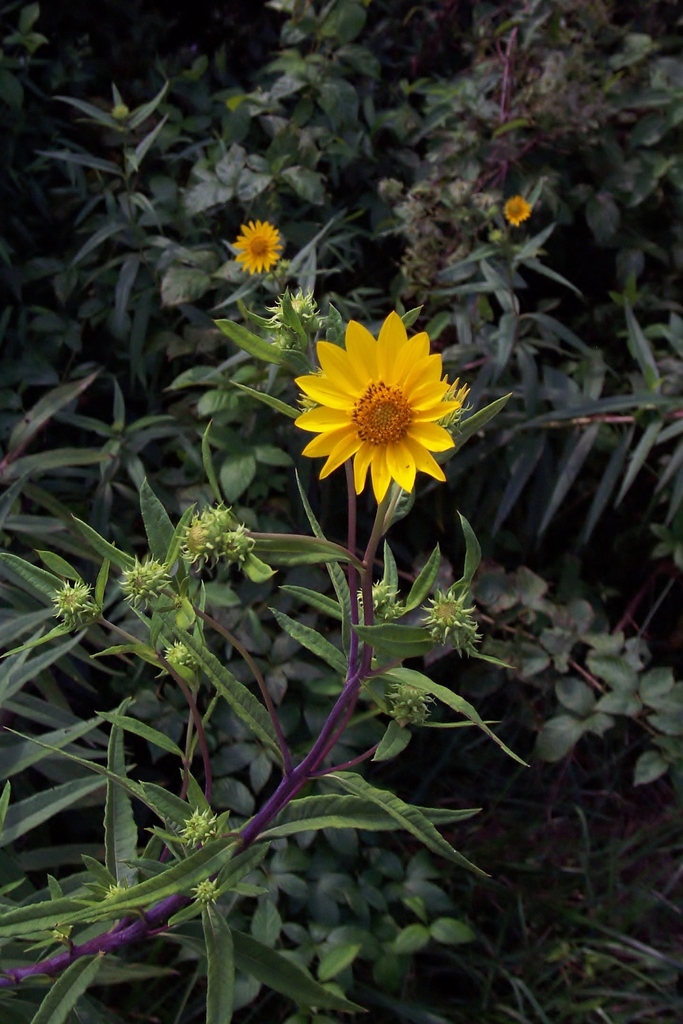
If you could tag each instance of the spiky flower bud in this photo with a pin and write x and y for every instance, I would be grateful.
(294, 321)
(75, 606)
(120, 112)
(206, 892)
(213, 533)
(115, 889)
(451, 620)
(200, 826)
(182, 659)
(145, 581)
(456, 395)
(385, 601)
(409, 705)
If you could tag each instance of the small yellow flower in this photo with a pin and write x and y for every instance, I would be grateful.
(517, 210)
(259, 246)
(380, 403)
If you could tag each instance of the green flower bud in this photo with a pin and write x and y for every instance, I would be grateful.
(212, 534)
(386, 604)
(74, 605)
(200, 826)
(451, 621)
(206, 892)
(145, 581)
(294, 322)
(120, 112)
(409, 705)
(182, 659)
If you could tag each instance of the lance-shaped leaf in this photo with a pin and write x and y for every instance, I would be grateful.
(607, 484)
(289, 549)
(241, 700)
(133, 725)
(472, 550)
(37, 580)
(270, 400)
(120, 830)
(103, 547)
(44, 409)
(207, 462)
(220, 973)
(285, 976)
(17, 757)
(327, 605)
(394, 741)
(251, 343)
(67, 990)
(573, 460)
(313, 641)
(405, 815)
(424, 581)
(639, 348)
(395, 640)
(639, 455)
(470, 426)
(158, 526)
(424, 684)
(28, 814)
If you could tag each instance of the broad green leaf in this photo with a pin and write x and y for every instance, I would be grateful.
(120, 830)
(139, 728)
(285, 976)
(451, 932)
(67, 990)
(411, 939)
(395, 640)
(237, 471)
(558, 736)
(44, 409)
(424, 581)
(256, 570)
(241, 700)
(251, 343)
(649, 766)
(220, 975)
(28, 814)
(158, 526)
(336, 959)
(270, 400)
(184, 284)
(327, 605)
(406, 816)
(313, 641)
(103, 547)
(394, 741)
(59, 565)
(452, 700)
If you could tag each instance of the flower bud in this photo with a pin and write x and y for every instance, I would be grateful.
(212, 534)
(386, 604)
(74, 605)
(145, 581)
(409, 706)
(120, 112)
(295, 321)
(206, 892)
(451, 621)
(200, 826)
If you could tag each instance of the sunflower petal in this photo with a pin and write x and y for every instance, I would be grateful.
(325, 443)
(321, 419)
(425, 462)
(431, 436)
(342, 451)
(337, 365)
(362, 350)
(401, 465)
(392, 338)
(325, 391)
(381, 477)
(360, 465)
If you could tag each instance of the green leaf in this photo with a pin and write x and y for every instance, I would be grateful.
(220, 975)
(256, 570)
(236, 473)
(472, 550)
(452, 700)
(38, 580)
(158, 526)
(59, 565)
(639, 348)
(649, 766)
(251, 343)
(120, 830)
(424, 581)
(451, 932)
(473, 424)
(274, 403)
(285, 976)
(4, 803)
(541, 268)
(208, 464)
(337, 959)
(568, 471)
(606, 486)
(327, 605)
(558, 736)
(395, 640)
(406, 816)
(145, 110)
(171, 556)
(19, 756)
(241, 700)
(313, 641)
(307, 184)
(184, 284)
(28, 814)
(44, 409)
(288, 549)
(101, 582)
(128, 724)
(639, 455)
(103, 547)
(395, 740)
(411, 939)
(67, 990)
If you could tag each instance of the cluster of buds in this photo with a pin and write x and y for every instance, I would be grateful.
(145, 581)
(182, 659)
(200, 826)
(450, 620)
(294, 322)
(458, 394)
(212, 534)
(206, 892)
(75, 606)
(409, 706)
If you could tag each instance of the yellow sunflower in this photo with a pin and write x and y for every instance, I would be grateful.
(517, 210)
(379, 402)
(259, 246)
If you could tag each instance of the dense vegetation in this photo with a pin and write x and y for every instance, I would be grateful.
(146, 375)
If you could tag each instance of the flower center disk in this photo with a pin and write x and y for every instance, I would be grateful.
(382, 414)
(259, 246)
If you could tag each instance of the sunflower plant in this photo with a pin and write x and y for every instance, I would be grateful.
(377, 405)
